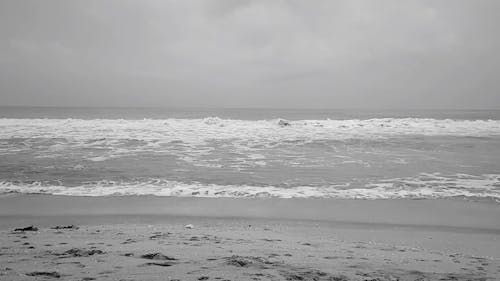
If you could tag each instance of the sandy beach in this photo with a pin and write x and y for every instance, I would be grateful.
(135, 238)
(250, 140)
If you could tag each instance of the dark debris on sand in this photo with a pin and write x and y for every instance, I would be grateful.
(157, 256)
(159, 235)
(52, 274)
(247, 261)
(312, 274)
(64, 227)
(75, 252)
(28, 228)
(164, 264)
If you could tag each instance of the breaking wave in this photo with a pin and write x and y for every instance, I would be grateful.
(199, 130)
(423, 186)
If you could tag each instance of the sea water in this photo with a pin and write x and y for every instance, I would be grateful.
(363, 154)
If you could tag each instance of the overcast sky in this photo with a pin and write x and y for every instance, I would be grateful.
(232, 53)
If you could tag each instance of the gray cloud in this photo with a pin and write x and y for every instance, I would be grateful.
(383, 54)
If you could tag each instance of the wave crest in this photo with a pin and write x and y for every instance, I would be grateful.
(196, 130)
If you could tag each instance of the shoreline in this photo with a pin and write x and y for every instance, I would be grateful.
(439, 213)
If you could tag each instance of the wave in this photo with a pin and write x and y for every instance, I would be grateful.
(200, 130)
(423, 186)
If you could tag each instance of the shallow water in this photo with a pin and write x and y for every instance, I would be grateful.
(250, 153)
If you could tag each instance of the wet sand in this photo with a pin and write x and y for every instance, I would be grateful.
(145, 238)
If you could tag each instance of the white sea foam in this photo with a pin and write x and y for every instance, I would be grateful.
(419, 187)
(195, 131)
(256, 149)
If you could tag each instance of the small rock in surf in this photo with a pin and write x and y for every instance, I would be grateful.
(284, 123)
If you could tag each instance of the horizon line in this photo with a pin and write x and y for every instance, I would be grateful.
(245, 108)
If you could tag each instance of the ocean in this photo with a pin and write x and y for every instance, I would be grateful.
(292, 153)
